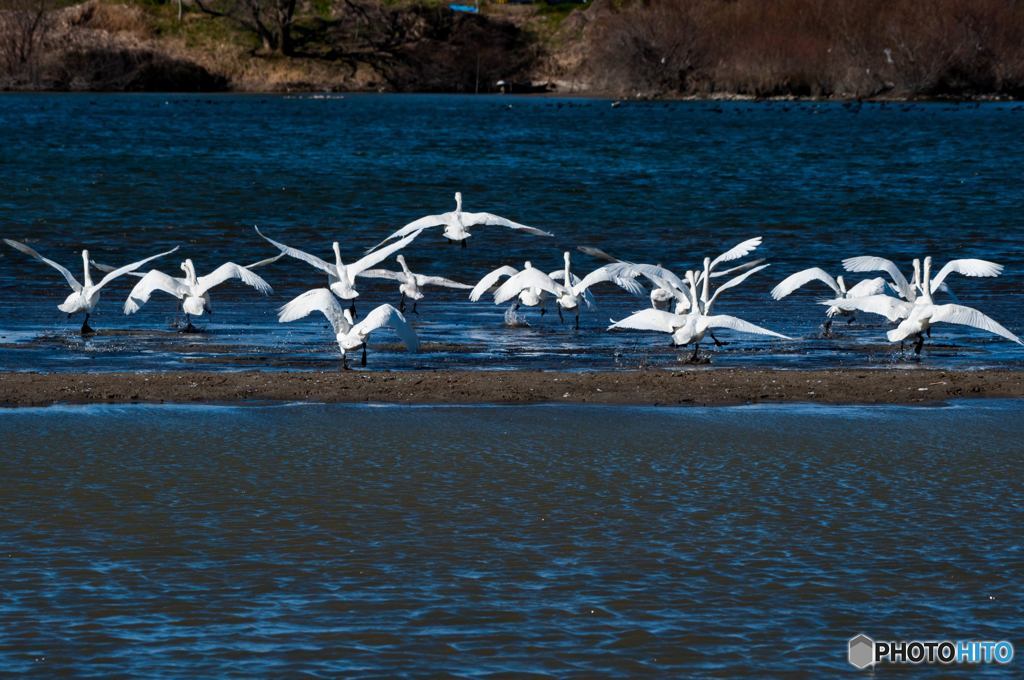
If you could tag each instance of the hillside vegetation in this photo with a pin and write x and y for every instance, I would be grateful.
(648, 48)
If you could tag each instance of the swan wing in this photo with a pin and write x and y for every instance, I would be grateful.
(968, 316)
(107, 268)
(230, 270)
(489, 280)
(68, 276)
(414, 226)
(966, 267)
(110, 276)
(528, 278)
(598, 253)
(386, 315)
(875, 286)
(801, 278)
(313, 260)
(317, 300)
(149, 283)
(650, 320)
(732, 270)
(891, 308)
(732, 283)
(265, 262)
(492, 220)
(737, 324)
(621, 274)
(382, 274)
(424, 280)
(737, 251)
(870, 263)
(660, 276)
(379, 255)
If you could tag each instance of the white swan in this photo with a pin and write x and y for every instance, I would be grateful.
(572, 290)
(791, 283)
(528, 297)
(691, 327)
(193, 291)
(738, 251)
(909, 290)
(457, 223)
(410, 284)
(341, 278)
(666, 285)
(85, 295)
(917, 317)
(349, 335)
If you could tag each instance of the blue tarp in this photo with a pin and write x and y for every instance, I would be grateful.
(472, 9)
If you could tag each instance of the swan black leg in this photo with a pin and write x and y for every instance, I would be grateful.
(344, 362)
(463, 242)
(929, 332)
(414, 307)
(561, 319)
(86, 328)
(827, 327)
(696, 349)
(352, 308)
(543, 311)
(718, 343)
(577, 318)
(189, 328)
(362, 362)
(919, 344)
(401, 304)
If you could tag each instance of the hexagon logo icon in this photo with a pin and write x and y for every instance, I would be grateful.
(861, 653)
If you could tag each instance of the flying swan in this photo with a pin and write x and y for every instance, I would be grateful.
(410, 284)
(457, 223)
(341, 278)
(349, 335)
(793, 282)
(85, 296)
(192, 290)
(571, 291)
(692, 326)
(920, 315)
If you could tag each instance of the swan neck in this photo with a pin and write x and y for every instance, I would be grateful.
(707, 280)
(86, 276)
(337, 258)
(927, 279)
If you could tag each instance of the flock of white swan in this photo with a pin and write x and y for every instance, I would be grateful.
(680, 304)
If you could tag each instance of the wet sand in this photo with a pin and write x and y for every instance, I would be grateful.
(708, 386)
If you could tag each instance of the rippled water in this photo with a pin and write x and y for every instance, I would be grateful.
(664, 182)
(473, 540)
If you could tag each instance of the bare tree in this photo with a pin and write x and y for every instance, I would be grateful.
(24, 26)
(270, 20)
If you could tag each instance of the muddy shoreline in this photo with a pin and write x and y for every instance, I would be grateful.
(711, 386)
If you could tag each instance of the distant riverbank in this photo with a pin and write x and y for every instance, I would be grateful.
(688, 386)
(942, 49)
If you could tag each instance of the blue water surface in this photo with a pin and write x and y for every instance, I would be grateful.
(666, 182)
